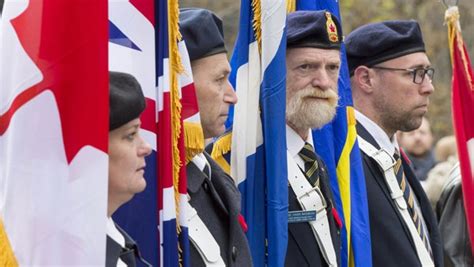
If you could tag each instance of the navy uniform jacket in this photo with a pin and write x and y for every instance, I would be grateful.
(303, 249)
(392, 244)
(128, 255)
(219, 210)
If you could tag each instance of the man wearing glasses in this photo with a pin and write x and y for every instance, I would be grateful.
(391, 81)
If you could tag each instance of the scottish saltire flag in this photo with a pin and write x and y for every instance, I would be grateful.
(463, 111)
(337, 145)
(132, 50)
(54, 132)
(259, 137)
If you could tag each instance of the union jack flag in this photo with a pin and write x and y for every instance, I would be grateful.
(147, 46)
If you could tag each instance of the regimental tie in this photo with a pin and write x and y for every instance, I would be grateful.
(310, 164)
(410, 198)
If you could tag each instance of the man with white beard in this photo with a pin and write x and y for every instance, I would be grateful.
(312, 64)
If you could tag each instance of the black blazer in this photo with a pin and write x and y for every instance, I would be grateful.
(218, 205)
(303, 249)
(128, 255)
(392, 244)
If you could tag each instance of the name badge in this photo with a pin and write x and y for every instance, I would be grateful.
(300, 216)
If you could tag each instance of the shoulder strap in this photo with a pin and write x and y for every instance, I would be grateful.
(386, 163)
(202, 239)
(311, 198)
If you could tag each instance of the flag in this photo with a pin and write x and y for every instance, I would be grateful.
(132, 50)
(337, 144)
(259, 136)
(54, 131)
(144, 42)
(463, 111)
(177, 101)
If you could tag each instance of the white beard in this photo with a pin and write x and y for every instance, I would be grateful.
(304, 113)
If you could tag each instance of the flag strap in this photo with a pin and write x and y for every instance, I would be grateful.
(202, 238)
(311, 198)
(387, 163)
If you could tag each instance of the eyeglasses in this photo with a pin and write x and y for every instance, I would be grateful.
(418, 73)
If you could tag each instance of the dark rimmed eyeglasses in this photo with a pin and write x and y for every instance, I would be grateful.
(418, 73)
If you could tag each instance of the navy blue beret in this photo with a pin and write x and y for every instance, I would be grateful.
(126, 99)
(202, 31)
(319, 29)
(375, 43)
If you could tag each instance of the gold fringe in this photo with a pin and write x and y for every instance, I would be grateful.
(7, 257)
(193, 140)
(221, 147)
(175, 67)
(290, 6)
(451, 18)
(257, 22)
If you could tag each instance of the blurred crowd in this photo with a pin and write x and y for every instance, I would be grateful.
(436, 166)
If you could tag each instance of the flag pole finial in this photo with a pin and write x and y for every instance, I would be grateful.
(450, 3)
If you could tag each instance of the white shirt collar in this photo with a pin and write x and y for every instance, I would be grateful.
(382, 139)
(114, 233)
(200, 161)
(294, 142)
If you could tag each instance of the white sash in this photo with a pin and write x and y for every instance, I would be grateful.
(311, 198)
(387, 162)
(202, 239)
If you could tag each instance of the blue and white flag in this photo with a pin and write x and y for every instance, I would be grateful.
(258, 158)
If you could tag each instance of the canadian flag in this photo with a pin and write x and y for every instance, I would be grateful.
(463, 112)
(54, 131)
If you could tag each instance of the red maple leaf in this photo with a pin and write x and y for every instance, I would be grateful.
(332, 28)
(68, 41)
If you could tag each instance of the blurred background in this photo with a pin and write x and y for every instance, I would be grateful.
(430, 14)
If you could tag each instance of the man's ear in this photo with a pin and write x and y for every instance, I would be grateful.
(363, 77)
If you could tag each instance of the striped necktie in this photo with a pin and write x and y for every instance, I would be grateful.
(310, 164)
(410, 199)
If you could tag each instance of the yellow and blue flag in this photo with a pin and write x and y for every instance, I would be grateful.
(337, 145)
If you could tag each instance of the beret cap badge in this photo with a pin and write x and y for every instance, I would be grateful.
(331, 28)
(317, 29)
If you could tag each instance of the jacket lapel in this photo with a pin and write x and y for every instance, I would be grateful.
(132, 252)
(229, 199)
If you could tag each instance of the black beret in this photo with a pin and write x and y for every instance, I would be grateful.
(374, 43)
(319, 29)
(126, 99)
(202, 31)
